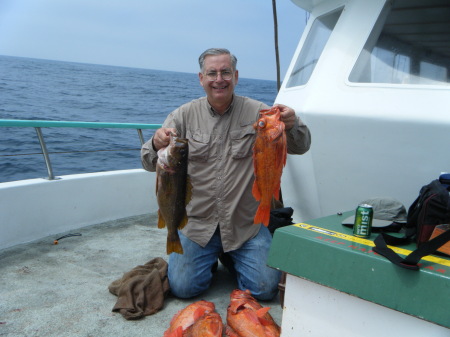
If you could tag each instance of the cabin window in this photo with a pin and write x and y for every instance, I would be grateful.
(312, 48)
(410, 44)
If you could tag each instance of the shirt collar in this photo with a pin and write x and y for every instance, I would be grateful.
(214, 113)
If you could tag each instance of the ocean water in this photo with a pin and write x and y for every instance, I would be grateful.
(64, 91)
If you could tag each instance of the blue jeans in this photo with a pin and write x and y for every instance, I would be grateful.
(190, 273)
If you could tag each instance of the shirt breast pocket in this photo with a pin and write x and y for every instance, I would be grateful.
(198, 146)
(242, 141)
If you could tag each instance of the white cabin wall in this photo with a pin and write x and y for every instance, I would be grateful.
(314, 310)
(367, 139)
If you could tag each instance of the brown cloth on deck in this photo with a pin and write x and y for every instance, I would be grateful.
(142, 290)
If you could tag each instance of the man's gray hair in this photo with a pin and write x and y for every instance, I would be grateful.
(216, 51)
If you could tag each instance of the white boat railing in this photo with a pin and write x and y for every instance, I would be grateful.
(38, 124)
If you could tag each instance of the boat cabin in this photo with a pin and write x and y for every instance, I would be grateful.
(371, 79)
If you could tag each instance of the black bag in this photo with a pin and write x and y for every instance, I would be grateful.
(280, 217)
(431, 208)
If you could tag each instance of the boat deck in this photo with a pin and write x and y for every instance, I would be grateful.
(62, 290)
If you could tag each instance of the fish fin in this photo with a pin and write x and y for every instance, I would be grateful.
(280, 145)
(157, 184)
(183, 221)
(188, 190)
(174, 247)
(262, 215)
(237, 305)
(199, 312)
(178, 332)
(276, 191)
(282, 151)
(251, 315)
(276, 132)
(174, 244)
(261, 313)
(161, 221)
(255, 191)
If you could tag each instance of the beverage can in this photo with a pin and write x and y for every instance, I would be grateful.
(363, 221)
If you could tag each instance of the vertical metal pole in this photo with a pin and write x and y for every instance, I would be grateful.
(141, 136)
(45, 153)
(275, 29)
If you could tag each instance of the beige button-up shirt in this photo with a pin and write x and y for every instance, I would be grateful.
(221, 167)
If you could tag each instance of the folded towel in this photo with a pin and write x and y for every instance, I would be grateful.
(142, 290)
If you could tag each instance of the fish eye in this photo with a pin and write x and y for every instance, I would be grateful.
(261, 123)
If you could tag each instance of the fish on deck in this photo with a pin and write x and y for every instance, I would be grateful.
(246, 317)
(209, 325)
(183, 321)
(173, 190)
(269, 158)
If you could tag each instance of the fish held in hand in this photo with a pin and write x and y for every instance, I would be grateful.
(246, 317)
(269, 158)
(184, 319)
(173, 190)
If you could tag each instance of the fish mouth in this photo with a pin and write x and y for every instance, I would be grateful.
(164, 163)
(181, 142)
(165, 166)
(163, 158)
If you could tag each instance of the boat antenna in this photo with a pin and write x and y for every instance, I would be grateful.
(277, 57)
(275, 29)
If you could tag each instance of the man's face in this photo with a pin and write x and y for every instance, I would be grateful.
(219, 91)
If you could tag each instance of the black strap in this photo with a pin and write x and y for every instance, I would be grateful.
(410, 261)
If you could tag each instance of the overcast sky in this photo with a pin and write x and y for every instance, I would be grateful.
(164, 34)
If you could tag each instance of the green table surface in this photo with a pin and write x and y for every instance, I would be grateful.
(326, 252)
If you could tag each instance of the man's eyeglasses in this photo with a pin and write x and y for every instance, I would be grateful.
(226, 75)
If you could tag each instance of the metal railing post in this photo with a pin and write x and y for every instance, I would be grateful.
(141, 136)
(45, 153)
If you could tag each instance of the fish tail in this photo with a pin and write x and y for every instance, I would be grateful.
(174, 244)
(262, 215)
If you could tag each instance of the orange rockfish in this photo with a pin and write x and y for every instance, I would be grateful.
(209, 325)
(173, 190)
(246, 317)
(185, 318)
(269, 158)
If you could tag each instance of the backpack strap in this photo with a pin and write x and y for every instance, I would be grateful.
(410, 261)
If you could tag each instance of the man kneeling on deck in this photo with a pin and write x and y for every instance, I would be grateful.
(219, 129)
